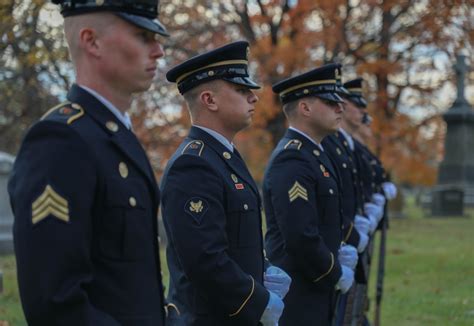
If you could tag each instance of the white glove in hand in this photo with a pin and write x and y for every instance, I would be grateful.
(390, 190)
(374, 210)
(348, 256)
(378, 200)
(362, 224)
(373, 223)
(277, 280)
(273, 311)
(363, 242)
(346, 279)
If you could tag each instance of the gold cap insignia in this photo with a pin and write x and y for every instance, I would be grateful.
(123, 169)
(226, 155)
(50, 203)
(234, 178)
(297, 191)
(210, 73)
(112, 126)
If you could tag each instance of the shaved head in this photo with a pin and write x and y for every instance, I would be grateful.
(73, 25)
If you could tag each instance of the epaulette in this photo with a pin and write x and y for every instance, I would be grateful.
(65, 112)
(294, 144)
(194, 147)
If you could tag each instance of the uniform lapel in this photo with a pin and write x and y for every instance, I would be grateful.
(312, 149)
(120, 136)
(233, 160)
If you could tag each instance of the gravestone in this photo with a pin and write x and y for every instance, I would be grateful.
(6, 215)
(456, 171)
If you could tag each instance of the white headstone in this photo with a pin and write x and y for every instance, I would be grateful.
(6, 215)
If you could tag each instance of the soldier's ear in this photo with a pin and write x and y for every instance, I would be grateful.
(304, 108)
(88, 41)
(207, 99)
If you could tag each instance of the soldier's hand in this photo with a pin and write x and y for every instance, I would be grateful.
(346, 279)
(373, 210)
(277, 280)
(378, 200)
(390, 190)
(363, 242)
(273, 311)
(348, 256)
(362, 224)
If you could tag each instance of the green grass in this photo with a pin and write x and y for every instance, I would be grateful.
(429, 278)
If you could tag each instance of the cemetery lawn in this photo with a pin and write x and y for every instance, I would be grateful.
(429, 278)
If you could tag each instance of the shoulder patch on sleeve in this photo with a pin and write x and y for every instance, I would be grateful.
(294, 144)
(194, 147)
(197, 208)
(65, 112)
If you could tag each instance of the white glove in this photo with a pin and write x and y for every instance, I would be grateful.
(378, 200)
(390, 190)
(348, 256)
(362, 224)
(273, 311)
(374, 222)
(277, 280)
(374, 210)
(363, 242)
(346, 279)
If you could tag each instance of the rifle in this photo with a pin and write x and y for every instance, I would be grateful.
(381, 269)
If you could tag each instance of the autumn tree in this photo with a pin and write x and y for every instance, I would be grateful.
(33, 63)
(403, 49)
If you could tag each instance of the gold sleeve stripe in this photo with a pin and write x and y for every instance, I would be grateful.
(50, 211)
(216, 64)
(246, 300)
(349, 232)
(329, 271)
(55, 108)
(49, 192)
(49, 203)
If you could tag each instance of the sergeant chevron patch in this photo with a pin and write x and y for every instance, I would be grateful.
(49, 203)
(297, 191)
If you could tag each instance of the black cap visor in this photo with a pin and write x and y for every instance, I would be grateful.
(153, 25)
(358, 100)
(333, 97)
(342, 90)
(244, 81)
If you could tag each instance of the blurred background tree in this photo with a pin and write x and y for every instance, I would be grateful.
(403, 49)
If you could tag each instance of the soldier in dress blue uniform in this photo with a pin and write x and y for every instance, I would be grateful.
(211, 204)
(372, 197)
(83, 193)
(302, 201)
(351, 201)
